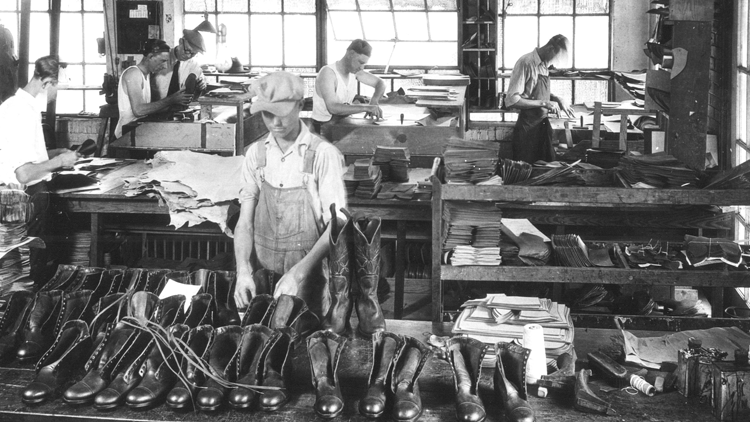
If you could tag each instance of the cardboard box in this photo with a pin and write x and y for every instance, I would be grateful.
(731, 391)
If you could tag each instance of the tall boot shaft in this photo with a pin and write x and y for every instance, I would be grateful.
(407, 404)
(291, 311)
(202, 310)
(220, 284)
(78, 304)
(12, 322)
(324, 350)
(199, 340)
(40, 328)
(340, 261)
(64, 275)
(367, 266)
(385, 350)
(277, 369)
(86, 278)
(258, 309)
(249, 358)
(510, 381)
(465, 356)
(221, 362)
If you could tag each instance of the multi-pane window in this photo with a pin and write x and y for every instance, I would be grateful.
(741, 113)
(527, 24)
(403, 33)
(264, 34)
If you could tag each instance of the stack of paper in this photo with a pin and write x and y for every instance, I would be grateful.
(501, 318)
(701, 251)
(469, 161)
(474, 223)
(570, 251)
(393, 162)
(563, 175)
(468, 255)
(513, 172)
(369, 188)
(655, 170)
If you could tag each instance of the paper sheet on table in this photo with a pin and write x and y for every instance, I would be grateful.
(522, 225)
(174, 288)
(650, 352)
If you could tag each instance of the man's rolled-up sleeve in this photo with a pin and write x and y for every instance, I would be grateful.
(517, 84)
(330, 168)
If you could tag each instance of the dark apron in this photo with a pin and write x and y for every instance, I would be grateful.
(285, 230)
(532, 135)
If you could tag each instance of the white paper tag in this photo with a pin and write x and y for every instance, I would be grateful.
(173, 288)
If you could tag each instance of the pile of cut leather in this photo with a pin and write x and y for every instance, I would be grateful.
(196, 187)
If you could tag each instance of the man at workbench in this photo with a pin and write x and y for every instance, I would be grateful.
(290, 181)
(134, 90)
(529, 92)
(336, 86)
(181, 64)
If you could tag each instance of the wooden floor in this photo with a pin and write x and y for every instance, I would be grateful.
(436, 384)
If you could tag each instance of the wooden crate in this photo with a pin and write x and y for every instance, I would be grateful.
(731, 391)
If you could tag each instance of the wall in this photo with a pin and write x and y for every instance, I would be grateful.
(631, 28)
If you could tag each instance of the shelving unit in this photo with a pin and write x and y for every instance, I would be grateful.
(639, 214)
(477, 31)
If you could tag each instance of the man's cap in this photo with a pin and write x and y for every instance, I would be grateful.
(195, 39)
(277, 93)
(154, 46)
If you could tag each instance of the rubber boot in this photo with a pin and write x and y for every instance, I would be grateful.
(250, 356)
(386, 348)
(277, 370)
(199, 340)
(12, 323)
(465, 356)
(324, 349)
(40, 327)
(61, 365)
(367, 265)
(407, 402)
(257, 310)
(510, 381)
(339, 283)
(220, 359)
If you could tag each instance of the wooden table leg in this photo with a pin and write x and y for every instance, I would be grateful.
(95, 253)
(398, 300)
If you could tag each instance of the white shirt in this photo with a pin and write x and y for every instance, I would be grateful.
(123, 100)
(284, 170)
(21, 136)
(163, 78)
(523, 79)
(345, 92)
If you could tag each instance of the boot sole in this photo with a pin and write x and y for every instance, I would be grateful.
(208, 409)
(272, 408)
(36, 401)
(329, 415)
(179, 406)
(79, 402)
(409, 420)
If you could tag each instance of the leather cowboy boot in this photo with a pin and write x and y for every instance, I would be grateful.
(257, 310)
(407, 405)
(39, 331)
(586, 400)
(220, 285)
(510, 381)
(277, 370)
(465, 356)
(227, 341)
(324, 350)
(201, 311)
(386, 348)
(255, 341)
(159, 371)
(367, 264)
(199, 341)
(12, 322)
(61, 364)
(64, 275)
(291, 311)
(339, 282)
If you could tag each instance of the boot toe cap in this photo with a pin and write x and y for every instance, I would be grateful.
(140, 397)
(178, 398)
(273, 399)
(36, 393)
(80, 392)
(109, 398)
(28, 351)
(371, 406)
(241, 398)
(521, 414)
(209, 399)
(406, 411)
(329, 406)
(470, 412)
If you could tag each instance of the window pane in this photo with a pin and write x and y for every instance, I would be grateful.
(8, 5)
(549, 26)
(40, 5)
(592, 6)
(93, 101)
(199, 5)
(299, 6)
(556, 6)
(233, 6)
(341, 5)
(743, 21)
(93, 28)
(419, 53)
(94, 74)
(443, 26)
(299, 40)
(742, 110)
(345, 25)
(39, 43)
(591, 42)
(70, 5)
(93, 5)
(523, 6)
(237, 42)
(375, 5)
(73, 75)
(441, 5)
(411, 26)
(590, 91)
(266, 40)
(268, 6)
(741, 156)
(516, 42)
(562, 89)
(407, 4)
(71, 37)
(378, 25)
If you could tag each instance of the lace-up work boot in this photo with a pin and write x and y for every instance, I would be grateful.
(324, 349)
(199, 340)
(12, 322)
(40, 327)
(257, 310)
(277, 370)
(510, 381)
(367, 265)
(465, 356)
(250, 357)
(211, 397)
(386, 348)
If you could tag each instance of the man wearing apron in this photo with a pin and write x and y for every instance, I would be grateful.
(290, 181)
(336, 86)
(529, 92)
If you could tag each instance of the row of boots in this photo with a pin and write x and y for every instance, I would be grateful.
(354, 262)
(397, 364)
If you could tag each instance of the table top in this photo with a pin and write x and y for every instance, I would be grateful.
(436, 384)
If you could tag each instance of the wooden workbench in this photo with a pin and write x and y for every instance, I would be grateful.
(436, 384)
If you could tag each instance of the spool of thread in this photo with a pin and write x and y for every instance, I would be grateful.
(533, 339)
(640, 384)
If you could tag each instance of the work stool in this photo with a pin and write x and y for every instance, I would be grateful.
(109, 115)
(624, 113)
